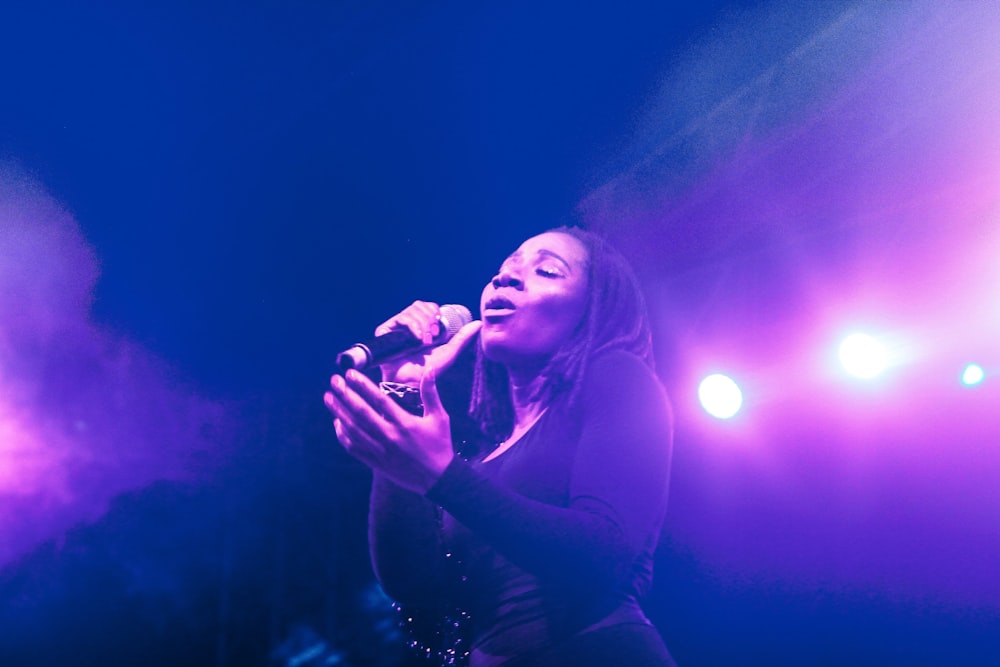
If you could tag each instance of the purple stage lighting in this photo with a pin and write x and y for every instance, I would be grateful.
(720, 396)
(973, 375)
(863, 356)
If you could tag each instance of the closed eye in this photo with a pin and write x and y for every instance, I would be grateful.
(549, 272)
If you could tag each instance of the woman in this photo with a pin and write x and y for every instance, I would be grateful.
(545, 543)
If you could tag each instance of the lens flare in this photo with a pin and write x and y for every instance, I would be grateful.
(720, 396)
(972, 375)
(863, 356)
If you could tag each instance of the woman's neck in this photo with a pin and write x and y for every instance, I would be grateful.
(525, 391)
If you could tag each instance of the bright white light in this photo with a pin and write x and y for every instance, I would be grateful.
(973, 374)
(863, 356)
(720, 396)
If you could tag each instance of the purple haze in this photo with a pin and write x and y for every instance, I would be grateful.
(852, 181)
(85, 414)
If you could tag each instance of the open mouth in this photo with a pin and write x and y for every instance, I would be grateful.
(498, 306)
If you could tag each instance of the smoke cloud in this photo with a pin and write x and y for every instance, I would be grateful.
(85, 414)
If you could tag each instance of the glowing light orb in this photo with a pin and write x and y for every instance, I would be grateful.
(973, 375)
(720, 396)
(863, 356)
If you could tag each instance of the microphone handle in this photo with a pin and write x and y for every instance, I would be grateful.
(399, 341)
(380, 348)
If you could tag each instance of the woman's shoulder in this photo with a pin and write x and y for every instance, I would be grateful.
(620, 388)
(618, 366)
(616, 376)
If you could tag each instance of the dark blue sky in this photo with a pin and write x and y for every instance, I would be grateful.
(260, 181)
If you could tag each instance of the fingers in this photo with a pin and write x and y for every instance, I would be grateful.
(360, 430)
(365, 450)
(338, 428)
(420, 317)
(429, 393)
(373, 397)
(449, 351)
(428, 383)
(360, 410)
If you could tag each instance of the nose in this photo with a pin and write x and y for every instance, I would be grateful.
(507, 277)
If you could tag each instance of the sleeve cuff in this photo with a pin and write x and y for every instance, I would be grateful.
(454, 478)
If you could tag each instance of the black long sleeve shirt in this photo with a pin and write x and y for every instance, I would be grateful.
(555, 535)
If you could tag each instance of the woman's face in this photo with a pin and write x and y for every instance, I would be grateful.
(535, 301)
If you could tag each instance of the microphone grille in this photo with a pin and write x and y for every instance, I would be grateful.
(453, 317)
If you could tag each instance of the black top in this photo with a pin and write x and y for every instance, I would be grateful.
(555, 535)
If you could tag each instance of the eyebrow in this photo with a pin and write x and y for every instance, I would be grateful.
(546, 253)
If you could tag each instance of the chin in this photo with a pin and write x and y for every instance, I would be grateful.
(498, 351)
(509, 354)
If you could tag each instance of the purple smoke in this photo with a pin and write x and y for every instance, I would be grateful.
(85, 414)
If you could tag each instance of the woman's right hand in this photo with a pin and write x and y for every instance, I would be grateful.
(422, 318)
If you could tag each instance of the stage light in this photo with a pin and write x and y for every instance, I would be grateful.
(863, 356)
(973, 375)
(720, 396)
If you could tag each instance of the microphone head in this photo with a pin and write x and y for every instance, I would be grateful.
(453, 317)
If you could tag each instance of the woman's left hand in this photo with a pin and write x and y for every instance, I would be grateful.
(411, 450)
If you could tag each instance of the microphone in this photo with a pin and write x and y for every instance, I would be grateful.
(400, 341)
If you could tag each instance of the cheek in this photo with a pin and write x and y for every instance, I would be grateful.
(564, 313)
(482, 297)
(568, 301)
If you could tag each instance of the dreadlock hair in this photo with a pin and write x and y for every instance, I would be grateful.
(615, 317)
